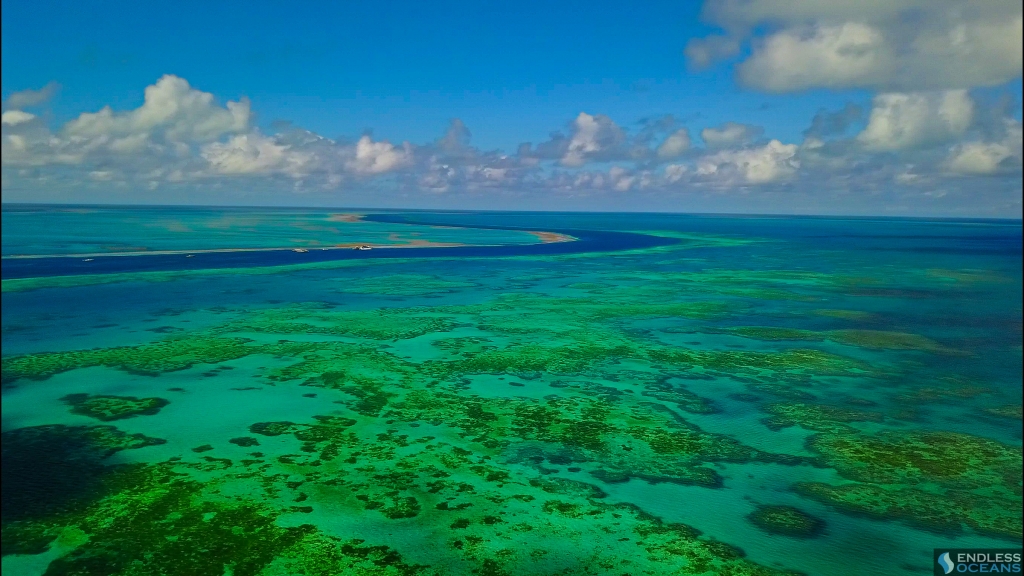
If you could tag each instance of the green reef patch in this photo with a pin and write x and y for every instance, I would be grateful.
(1015, 412)
(786, 521)
(871, 339)
(817, 417)
(844, 314)
(937, 480)
(107, 408)
(943, 389)
(147, 359)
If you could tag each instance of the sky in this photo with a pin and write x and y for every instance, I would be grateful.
(859, 107)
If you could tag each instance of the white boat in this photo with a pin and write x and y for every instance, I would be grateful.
(299, 250)
(190, 256)
(363, 247)
(87, 260)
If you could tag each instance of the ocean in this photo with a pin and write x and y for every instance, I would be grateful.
(505, 393)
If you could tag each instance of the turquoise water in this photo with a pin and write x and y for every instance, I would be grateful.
(49, 230)
(745, 395)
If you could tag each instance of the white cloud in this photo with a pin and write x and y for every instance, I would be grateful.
(597, 138)
(180, 138)
(16, 141)
(730, 134)
(621, 179)
(987, 157)
(171, 107)
(130, 144)
(772, 162)
(494, 173)
(617, 179)
(897, 45)
(468, 169)
(371, 157)
(966, 54)
(900, 121)
(676, 143)
(591, 135)
(675, 172)
(978, 157)
(29, 98)
(436, 176)
(15, 117)
(851, 54)
(256, 154)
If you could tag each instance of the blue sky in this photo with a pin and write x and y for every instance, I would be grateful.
(511, 74)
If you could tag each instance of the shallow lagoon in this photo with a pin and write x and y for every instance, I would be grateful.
(589, 412)
(38, 230)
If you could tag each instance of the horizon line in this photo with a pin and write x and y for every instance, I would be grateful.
(499, 211)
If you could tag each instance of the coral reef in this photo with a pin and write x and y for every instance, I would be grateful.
(817, 417)
(486, 518)
(1015, 411)
(786, 521)
(938, 480)
(872, 339)
(107, 408)
(480, 438)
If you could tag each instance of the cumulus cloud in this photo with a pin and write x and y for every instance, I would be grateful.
(173, 108)
(982, 158)
(592, 137)
(622, 180)
(900, 121)
(676, 143)
(900, 45)
(30, 98)
(369, 157)
(847, 55)
(256, 154)
(772, 162)
(182, 137)
(471, 171)
(452, 162)
(675, 172)
(173, 119)
(615, 179)
(15, 117)
(598, 139)
(978, 157)
(182, 134)
(730, 134)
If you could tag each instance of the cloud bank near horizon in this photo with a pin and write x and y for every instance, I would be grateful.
(927, 144)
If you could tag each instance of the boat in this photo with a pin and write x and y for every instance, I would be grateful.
(87, 260)
(299, 250)
(363, 247)
(190, 256)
